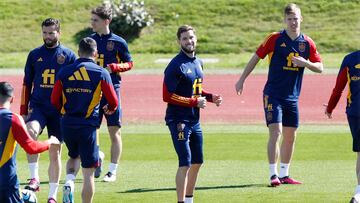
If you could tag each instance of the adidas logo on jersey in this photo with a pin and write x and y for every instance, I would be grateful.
(80, 74)
(39, 59)
(189, 71)
(283, 44)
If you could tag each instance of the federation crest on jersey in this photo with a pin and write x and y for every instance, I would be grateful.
(60, 59)
(302, 46)
(110, 45)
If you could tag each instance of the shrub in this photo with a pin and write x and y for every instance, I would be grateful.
(129, 17)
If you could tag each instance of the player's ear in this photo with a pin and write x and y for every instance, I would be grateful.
(95, 53)
(107, 22)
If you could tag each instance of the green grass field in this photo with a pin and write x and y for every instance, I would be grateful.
(227, 63)
(226, 29)
(235, 168)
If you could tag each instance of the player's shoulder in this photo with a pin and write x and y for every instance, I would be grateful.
(68, 68)
(117, 38)
(307, 38)
(104, 73)
(37, 50)
(355, 54)
(353, 57)
(272, 37)
(93, 35)
(177, 60)
(66, 50)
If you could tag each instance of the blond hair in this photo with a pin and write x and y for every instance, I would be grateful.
(291, 9)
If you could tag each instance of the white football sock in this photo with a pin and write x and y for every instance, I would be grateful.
(273, 169)
(113, 168)
(53, 188)
(34, 170)
(188, 200)
(70, 177)
(357, 190)
(284, 170)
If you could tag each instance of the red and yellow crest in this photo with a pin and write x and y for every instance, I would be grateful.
(302, 46)
(110, 45)
(60, 59)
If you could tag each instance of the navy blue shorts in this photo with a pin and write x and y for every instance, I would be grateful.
(10, 196)
(281, 111)
(115, 118)
(81, 141)
(50, 119)
(188, 142)
(354, 124)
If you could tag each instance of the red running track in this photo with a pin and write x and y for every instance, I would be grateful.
(142, 99)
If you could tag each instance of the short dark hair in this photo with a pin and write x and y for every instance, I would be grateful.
(6, 91)
(103, 12)
(50, 22)
(184, 28)
(87, 46)
(291, 9)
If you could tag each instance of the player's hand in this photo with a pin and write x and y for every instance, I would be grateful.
(327, 113)
(107, 111)
(201, 102)
(299, 61)
(53, 140)
(239, 87)
(217, 99)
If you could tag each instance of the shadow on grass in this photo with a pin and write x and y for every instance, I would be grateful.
(41, 182)
(141, 190)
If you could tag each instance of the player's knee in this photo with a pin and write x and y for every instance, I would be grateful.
(33, 132)
(54, 152)
(289, 140)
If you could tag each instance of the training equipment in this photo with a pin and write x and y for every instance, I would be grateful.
(99, 168)
(28, 196)
(288, 180)
(353, 200)
(109, 177)
(274, 181)
(33, 185)
(68, 192)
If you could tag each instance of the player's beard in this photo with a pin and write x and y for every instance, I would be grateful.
(50, 43)
(188, 50)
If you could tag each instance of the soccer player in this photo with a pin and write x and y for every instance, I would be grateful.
(290, 52)
(12, 131)
(114, 55)
(42, 65)
(182, 90)
(77, 93)
(350, 74)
